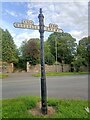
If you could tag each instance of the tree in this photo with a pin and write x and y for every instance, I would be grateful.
(30, 51)
(78, 62)
(81, 57)
(8, 48)
(1, 30)
(49, 58)
(66, 46)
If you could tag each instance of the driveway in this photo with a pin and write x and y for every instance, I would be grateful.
(23, 84)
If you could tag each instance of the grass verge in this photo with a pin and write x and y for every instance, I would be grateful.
(60, 73)
(18, 108)
(3, 76)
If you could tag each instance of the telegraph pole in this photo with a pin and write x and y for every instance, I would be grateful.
(29, 24)
(56, 54)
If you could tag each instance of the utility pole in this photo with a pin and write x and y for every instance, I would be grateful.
(29, 24)
(56, 53)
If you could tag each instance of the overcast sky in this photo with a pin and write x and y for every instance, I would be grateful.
(72, 17)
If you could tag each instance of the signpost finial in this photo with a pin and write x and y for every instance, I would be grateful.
(40, 10)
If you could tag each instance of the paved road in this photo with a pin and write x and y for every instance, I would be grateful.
(75, 86)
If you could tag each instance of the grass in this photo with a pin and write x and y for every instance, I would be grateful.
(18, 108)
(60, 73)
(3, 76)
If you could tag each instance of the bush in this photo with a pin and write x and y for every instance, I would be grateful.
(49, 59)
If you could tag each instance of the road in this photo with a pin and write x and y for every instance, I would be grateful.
(23, 84)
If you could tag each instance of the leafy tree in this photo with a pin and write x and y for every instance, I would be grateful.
(30, 51)
(77, 62)
(81, 57)
(66, 46)
(8, 47)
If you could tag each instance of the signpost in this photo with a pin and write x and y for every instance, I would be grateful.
(29, 24)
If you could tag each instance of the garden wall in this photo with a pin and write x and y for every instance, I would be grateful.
(6, 67)
(48, 68)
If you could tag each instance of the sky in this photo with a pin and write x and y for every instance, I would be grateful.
(72, 17)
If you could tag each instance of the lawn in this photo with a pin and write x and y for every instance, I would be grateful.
(3, 76)
(18, 107)
(60, 73)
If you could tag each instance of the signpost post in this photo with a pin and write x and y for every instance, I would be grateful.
(29, 24)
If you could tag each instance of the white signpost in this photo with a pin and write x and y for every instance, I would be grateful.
(29, 24)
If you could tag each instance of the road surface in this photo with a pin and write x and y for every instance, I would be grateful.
(23, 84)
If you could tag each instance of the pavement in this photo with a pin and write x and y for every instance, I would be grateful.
(23, 84)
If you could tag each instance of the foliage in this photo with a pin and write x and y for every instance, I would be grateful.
(8, 47)
(49, 58)
(19, 108)
(68, 51)
(81, 57)
(1, 44)
(77, 62)
(65, 46)
(21, 64)
(30, 51)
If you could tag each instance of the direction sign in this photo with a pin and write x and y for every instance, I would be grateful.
(29, 24)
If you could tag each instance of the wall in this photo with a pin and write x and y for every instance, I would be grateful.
(6, 67)
(48, 68)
